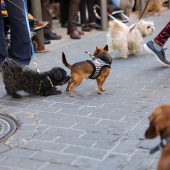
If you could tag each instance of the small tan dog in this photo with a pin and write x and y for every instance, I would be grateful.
(154, 6)
(98, 68)
(127, 42)
(160, 126)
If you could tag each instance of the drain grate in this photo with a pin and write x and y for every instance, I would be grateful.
(8, 126)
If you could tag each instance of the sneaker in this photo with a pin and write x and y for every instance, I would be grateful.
(160, 55)
(40, 24)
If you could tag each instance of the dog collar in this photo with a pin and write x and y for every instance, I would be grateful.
(162, 144)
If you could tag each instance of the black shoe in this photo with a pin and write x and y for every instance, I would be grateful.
(85, 27)
(52, 36)
(95, 26)
(160, 55)
(46, 41)
(64, 25)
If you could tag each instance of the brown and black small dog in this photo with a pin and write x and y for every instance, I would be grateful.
(98, 68)
(160, 126)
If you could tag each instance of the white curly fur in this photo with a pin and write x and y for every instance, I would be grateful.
(125, 41)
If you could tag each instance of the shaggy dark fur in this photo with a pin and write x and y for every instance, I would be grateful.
(17, 78)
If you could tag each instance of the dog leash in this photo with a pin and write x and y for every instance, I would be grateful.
(162, 144)
(141, 15)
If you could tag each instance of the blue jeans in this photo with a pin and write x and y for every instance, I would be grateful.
(19, 34)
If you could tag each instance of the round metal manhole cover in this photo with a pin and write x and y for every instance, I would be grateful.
(8, 126)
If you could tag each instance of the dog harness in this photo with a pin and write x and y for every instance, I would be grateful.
(97, 65)
(162, 144)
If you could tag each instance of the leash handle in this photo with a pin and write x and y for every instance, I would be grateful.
(141, 14)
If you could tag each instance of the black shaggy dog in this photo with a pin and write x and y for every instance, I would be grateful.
(17, 78)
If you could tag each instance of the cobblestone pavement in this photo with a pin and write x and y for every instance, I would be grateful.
(88, 131)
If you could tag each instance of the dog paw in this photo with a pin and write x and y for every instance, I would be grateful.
(100, 92)
(16, 96)
(58, 92)
(72, 95)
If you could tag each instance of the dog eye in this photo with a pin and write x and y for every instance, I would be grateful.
(148, 27)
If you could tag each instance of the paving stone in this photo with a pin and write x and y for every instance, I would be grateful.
(45, 146)
(52, 166)
(75, 141)
(84, 151)
(17, 163)
(86, 163)
(64, 132)
(54, 157)
(112, 162)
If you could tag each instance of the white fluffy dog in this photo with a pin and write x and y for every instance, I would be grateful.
(126, 41)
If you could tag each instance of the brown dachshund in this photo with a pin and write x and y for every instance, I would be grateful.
(160, 126)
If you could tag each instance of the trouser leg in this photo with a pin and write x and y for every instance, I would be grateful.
(20, 40)
(46, 16)
(3, 52)
(73, 12)
(163, 36)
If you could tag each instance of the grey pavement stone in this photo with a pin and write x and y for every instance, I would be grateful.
(44, 146)
(112, 162)
(87, 152)
(53, 157)
(71, 140)
(54, 131)
(25, 163)
(52, 166)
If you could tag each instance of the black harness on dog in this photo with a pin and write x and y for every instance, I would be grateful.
(97, 65)
(162, 144)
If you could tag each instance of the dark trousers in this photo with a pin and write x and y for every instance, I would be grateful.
(73, 12)
(163, 36)
(64, 6)
(90, 8)
(20, 40)
(46, 16)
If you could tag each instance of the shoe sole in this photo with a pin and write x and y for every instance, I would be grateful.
(37, 28)
(152, 53)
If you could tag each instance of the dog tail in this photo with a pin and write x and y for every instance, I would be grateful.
(65, 61)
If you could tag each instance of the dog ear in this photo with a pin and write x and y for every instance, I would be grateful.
(153, 130)
(159, 120)
(96, 52)
(106, 48)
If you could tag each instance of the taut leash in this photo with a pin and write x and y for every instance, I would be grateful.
(141, 14)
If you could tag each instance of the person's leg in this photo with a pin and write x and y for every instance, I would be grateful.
(83, 11)
(20, 40)
(92, 17)
(163, 36)
(46, 16)
(3, 52)
(64, 6)
(155, 47)
(84, 23)
(72, 20)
